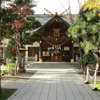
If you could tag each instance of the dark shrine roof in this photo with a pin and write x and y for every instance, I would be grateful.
(45, 18)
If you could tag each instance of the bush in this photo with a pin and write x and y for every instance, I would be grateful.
(11, 67)
(88, 59)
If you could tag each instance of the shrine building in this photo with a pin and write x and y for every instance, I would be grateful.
(55, 45)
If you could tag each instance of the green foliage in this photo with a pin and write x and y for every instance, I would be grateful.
(88, 46)
(6, 93)
(9, 52)
(13, 60)
(92, 4)
(9, 17)
(97, 85)
(6, 16)
(4, 71)
(29, 3)
(90, 15)
(88, 59)
(30, 38)
(11, 67)
(31, 23)
(86, 28)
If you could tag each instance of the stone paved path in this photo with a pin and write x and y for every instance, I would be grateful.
(52, 84)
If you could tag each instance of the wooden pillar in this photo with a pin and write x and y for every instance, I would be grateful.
(40, 52)
(26, 58)
(72, 52)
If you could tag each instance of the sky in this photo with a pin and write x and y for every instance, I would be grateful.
(56, 6)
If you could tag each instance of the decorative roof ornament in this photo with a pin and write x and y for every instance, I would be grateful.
(56, 13)
(64, 12)
(49, 11)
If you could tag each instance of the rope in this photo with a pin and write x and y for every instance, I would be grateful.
(55, 44)
(91, 77)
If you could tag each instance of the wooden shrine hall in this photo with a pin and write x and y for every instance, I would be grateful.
(55, 45)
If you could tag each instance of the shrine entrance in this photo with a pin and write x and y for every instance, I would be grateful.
(56, 49)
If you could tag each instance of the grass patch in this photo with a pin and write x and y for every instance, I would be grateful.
(6, 93)
(97, 84)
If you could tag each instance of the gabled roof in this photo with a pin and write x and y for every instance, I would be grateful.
(47, 19)
(42, 18)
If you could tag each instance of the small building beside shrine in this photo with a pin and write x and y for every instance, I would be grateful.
(55, 45)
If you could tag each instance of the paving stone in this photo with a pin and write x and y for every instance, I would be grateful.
(53, 84)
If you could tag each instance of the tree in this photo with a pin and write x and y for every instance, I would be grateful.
(86, 29)
(20, 23)
(92, 5)
(6, 17)
(23, 23)
(29, 3)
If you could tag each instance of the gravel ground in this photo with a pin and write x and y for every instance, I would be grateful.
(20, 76)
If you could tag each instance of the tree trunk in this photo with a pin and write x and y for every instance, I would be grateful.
(81, 53)
(0, 81)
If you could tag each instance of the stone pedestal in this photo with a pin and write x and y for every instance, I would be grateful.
(21, 61)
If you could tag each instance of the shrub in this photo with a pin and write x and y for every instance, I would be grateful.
(11, 67)
(88, 59)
